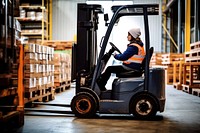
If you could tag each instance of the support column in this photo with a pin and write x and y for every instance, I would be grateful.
(179, 28)
(187, 25)
(50, 18)
(196, 21)
(164, 47)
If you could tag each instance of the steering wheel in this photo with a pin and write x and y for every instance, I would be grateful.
(115, 48)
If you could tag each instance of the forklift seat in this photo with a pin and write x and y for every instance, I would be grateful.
(136, 73)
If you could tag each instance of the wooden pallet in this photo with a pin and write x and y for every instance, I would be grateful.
(31, 61)
(169, 79)
(58, 44)
(156, 59)
(15, 117)
(196, 92)
(194, 54)
(57, 84)
(62, 86)
(187, 89)
(171, 57)
(195, 45)
(8, 92)
(177, 86)
(190, 76)
(178, 72)
(35, 94)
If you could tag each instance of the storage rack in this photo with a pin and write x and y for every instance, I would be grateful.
(34, 20)
(11, 96)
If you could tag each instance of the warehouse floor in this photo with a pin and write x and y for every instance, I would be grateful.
(182, 115)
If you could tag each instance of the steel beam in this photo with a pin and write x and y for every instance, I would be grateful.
(187, 25)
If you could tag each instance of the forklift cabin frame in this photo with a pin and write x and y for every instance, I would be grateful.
(128, 10)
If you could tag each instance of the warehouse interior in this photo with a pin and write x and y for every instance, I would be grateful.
(52, 53)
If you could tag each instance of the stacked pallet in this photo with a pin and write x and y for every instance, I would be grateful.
(62, 71)
(62, 63)
(178, 67)
(194, 54)
(191, 76)
(58, 44)
(38, 72)
(167, 60)
(156, 59)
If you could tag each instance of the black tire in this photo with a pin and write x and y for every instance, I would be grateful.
(143, 106)
(84, 105)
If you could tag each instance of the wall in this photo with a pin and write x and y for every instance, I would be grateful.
(155, 23)
(64, 19)
(64, 23)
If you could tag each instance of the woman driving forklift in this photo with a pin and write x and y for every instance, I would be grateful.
(132, 58)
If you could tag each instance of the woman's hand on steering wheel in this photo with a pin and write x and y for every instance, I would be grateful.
(115, 48)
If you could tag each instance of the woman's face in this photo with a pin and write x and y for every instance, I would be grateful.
(129, 37)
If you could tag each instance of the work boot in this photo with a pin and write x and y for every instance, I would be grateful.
(101, 84)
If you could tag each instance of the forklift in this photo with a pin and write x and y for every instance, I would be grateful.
(137, 93)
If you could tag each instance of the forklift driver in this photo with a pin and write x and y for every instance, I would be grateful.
(132, 58)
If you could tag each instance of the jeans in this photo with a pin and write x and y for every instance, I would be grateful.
(110, 69)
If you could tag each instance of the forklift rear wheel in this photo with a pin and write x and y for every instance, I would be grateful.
(84, 105)
(143, 106)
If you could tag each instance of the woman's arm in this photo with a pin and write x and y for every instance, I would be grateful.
(130, 51)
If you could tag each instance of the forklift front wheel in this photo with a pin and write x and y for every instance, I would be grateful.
(84, 105)
(143, 106)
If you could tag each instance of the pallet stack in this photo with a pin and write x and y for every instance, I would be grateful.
(167, 60)
(156, 59)
(191, 74)
(62, 71)
(38, 72)
(62, 63)
(178, 67)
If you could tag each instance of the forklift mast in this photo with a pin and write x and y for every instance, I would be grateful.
(85, 51)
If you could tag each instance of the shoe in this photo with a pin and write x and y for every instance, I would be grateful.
(101, 86)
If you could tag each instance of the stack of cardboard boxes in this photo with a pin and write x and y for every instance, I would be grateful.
(62, 68)
(38, 69)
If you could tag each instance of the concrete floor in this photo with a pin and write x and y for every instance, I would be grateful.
(182, 115)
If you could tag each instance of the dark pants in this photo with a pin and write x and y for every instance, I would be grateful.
(106, 75)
